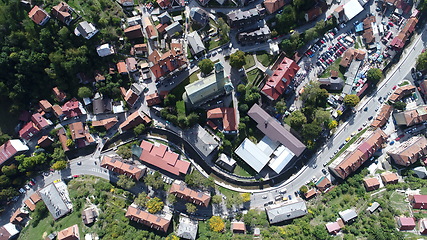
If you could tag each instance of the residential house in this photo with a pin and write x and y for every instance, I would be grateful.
(405, 223)
(317, 10)
(161, 28)
(71, 109)
(238, 227)
(148, 219)
(173, 28)
(226, 162)
(420, 171)
(180, 190)
(402, 92)
(89, 215)
(164, 4)
(333, 83)
(45, 105)
(70, 233)
(206, 89)
(278, 82)
(371, 184)
(131, 64)
(57, 111)
(310, 194)
(357, 154)
(63, 12)
(136, 20)
(62, 136)
(383, 116)
(106, 123)
(45, 141)
(40, 121)
(39, 15)
(80, 134)
(227, 116)
(150, 30)
(105, 50)
(141, 49)
(159, 156)
(17, 217)
(400, 40)
(85, 29)
(134, 120)
(274, 130)
(98, 77)
(126, 3)
(116, 164)
(164, 18)
(259, 35)
(8, 231)
(196, 44)
(411, 117)
(348, 215)
(389, 178)
(199, 16)
(59, 95)
(333, 228)
(153, 99)
(131, 96)
(409, 151)
(169, 63)
(423, 87)
(239, 18)
(187, 228)
(272, 6)
(423, 226)
(369, 23)
(418, 201)
(350, 55)
(28, 131)
(323, 184)
(102, 105)
(122, 68)
(373, 207)
(286, 212)
(134, 32)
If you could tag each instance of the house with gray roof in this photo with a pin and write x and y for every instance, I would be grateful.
(199, 16)
(173, 28)
(334, 84)
(239, 18)
(187, 228)
(277, 214)
(56, 201)
(348, 215)
(164, 18)
(272, 128)
(85, 29)
(195, 42)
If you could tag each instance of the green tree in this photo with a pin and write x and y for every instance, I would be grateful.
(286, 20)
(400, 105)
(4, 181)
(124, 151)
(297, 119)
(333, 124)
(351, 100)
(241, 88)
(59, 165)
(320, 232)
(84, 92)
(154, 180)
(311, 131)
(216, 199)
(125, 182)
(243, 108)
(138, 130)
(154, 205)
(314, 96)
(422, 60)
(237, 59)
(142, 199)
(280, 107)
(58, 154)
(216, 224)
(196, 179)
(322, 117)
(246, 197)
(39, 213)
(311, 34)
(303, 189)
(191, 208)
(170, 100)
(70, 143)
(172, 199)
(9, 170)
(206, 66)
(374, 75)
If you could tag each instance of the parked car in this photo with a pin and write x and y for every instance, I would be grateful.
(290, 197)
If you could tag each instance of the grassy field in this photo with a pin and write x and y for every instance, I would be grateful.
(423, 191)
(397, 201)
(334, 66)
(250, 62)
(193, 77)
(352, 140)
(265, 59)
(253, 76)
(180, 107)
(240, 171)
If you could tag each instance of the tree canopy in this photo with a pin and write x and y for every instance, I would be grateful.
(297, 119)
(59, 165)
(206, 66)
(154, 205)
(422, 61)
(125, 182)
(191, 208)
(237, 59)
(154, 180)
(374, 75)
(84, 92)
(142, 199)
(351, 100)
(216, 224)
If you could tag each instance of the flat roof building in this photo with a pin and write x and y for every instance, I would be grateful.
(187, 228)
(348, 215)
(277, 214)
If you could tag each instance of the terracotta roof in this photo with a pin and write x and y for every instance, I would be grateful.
(59, 95)
(273, 5)
(182, 191)
(121, 67)
(30, 204)
(371, 183)
(134, 32)
(44, 141)
(63, 139)
(323, 184)
(116, 164)
(70, 233)
(71, 108)
(107, 123)
(147, 219)
(63, 12)
(37, 14)
(419, 198)
(57, 110)
(333, 227)
(45, 105)
(406, 222)
(17, 216)
(153, 99)
(164, 3)
(134, 120)
(227, 115)
(28, 131)
(311, 193)
(389, 177)
(40, 121)
(277, 83)
(401, 92)
(409, 151)
(238, 226)
(151, 31)
(382, 116)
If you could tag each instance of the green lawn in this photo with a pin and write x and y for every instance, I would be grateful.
(193, 76)
(334, 66)
(265, 59)
(213, 44)
(180, 107)
(250, 62)
(352, 140)
(397, 201)
(253, 76)
(227, 192)
(240, 171)
(423, 191)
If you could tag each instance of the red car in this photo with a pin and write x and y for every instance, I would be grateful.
(75, 176)
(394, 88)
(400, 137)
(391, 24)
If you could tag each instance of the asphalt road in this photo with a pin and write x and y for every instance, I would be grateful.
(397, 74)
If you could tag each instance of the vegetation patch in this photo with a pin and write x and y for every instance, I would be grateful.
(265, 59)
(336, 67)
(250, 62)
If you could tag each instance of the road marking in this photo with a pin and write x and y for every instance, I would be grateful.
(96, 170)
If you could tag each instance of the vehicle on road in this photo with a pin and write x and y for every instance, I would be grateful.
(264, 197)
(79, 163)
(283, 191)
(290, 197)
(324, 171)
(21, 190)
(399, 137)
(370, 118)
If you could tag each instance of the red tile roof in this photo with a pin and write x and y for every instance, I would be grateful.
(134, 120)
(70, 233)
(37, 14)
(44, 141)
(279, 81)
(134, 32)
(71, 108)
(227, 115)
(273, 5)
(147, 219)
(45, 105)
(121, 67)
(115, 164)
(153, 99)
(40, 121)
(28, 131)
(182, 191)
(59, 95)
(63, 139)
(238, 226)
(107, 123)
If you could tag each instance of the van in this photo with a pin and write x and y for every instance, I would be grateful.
(283, 191)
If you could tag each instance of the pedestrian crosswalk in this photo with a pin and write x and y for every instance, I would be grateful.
(97, 170)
